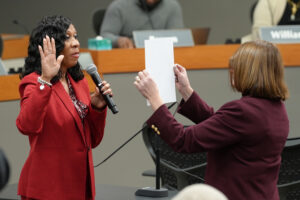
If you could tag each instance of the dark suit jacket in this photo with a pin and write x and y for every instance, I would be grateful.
(60, 154)
(244, 140)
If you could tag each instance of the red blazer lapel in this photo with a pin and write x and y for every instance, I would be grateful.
(66, 100)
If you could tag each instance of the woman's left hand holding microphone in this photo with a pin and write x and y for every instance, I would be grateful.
(97, 99)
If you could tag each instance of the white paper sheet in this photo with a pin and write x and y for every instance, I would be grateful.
(159, 58)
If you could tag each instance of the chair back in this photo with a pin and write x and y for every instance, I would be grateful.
(177, 169)
(4, 170)
(98, 17)
(200, 35)
(289, 174)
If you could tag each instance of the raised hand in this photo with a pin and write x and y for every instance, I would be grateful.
(50, 64)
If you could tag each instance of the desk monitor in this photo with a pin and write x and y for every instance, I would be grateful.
(181, 37)
(85, 59)
(2, 68)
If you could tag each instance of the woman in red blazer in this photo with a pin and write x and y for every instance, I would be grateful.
(61, 119)
(245, 137)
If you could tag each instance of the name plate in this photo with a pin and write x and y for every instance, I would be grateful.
(281, 34)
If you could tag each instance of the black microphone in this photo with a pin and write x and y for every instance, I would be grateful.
(92, 71)
(22, 25)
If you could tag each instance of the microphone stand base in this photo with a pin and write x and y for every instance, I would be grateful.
(152, 192)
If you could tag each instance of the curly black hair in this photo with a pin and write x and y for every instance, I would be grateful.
(56, 27)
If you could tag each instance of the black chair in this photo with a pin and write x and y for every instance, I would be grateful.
(98, 16)
(4, 170)
(177, 170)
(289, 174)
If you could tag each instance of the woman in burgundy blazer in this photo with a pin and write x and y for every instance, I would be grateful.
(59, 116)
(244, 138)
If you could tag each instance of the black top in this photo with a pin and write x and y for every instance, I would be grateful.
(286, 17)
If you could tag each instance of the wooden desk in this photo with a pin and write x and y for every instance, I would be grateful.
(197, 57)
(125, 61)
(14, 46)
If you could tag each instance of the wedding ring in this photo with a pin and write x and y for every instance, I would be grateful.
(137, 78)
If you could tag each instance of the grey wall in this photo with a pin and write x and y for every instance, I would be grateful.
(227, 19)
(125, 167)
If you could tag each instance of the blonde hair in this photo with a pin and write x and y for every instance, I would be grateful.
(200, 192)
(256, 70)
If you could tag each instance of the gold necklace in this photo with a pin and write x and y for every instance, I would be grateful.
(294, 8)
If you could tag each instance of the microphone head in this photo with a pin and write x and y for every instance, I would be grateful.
(91, 69)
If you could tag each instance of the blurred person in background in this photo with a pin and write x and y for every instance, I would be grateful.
(122, 17)
(272, 13)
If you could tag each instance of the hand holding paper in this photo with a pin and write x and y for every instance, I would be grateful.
(182, 82)
(159, 58)
(148, 88)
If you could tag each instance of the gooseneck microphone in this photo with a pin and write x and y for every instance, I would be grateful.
(92, 71)
(21, 25)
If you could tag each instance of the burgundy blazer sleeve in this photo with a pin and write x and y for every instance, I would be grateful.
(220, 129)
(34, 104)
(195, 108)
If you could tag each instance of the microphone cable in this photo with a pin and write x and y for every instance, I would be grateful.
(120, 147)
